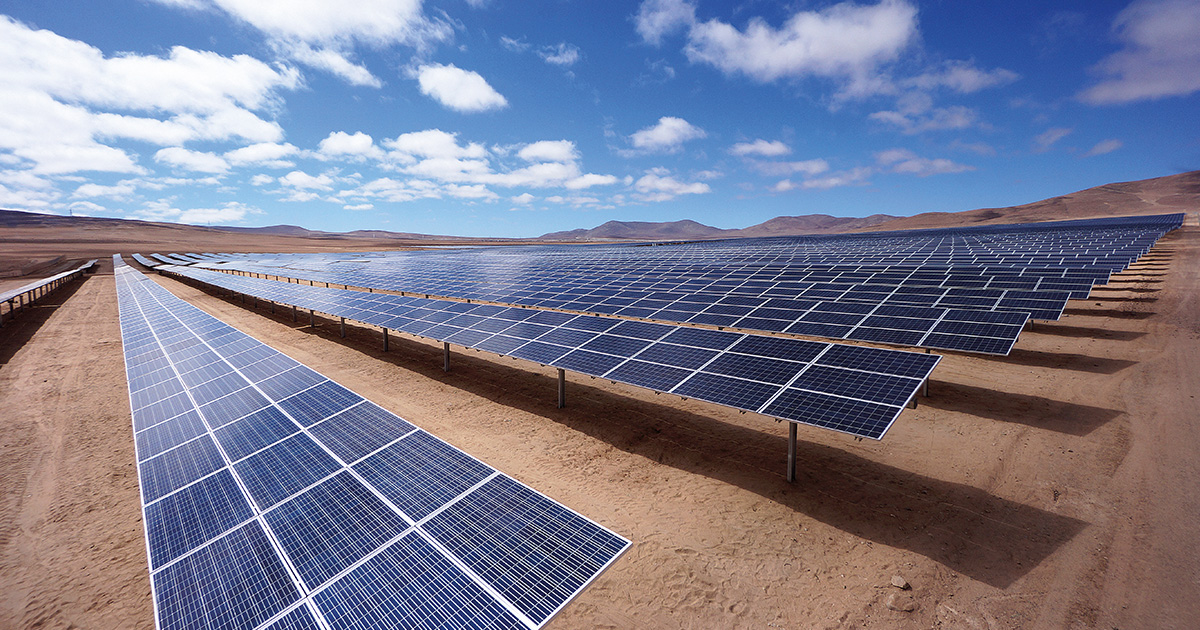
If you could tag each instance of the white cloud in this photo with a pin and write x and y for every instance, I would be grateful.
(906, 162)
(549, 151)
(63, 97)
(667, 136)
(434, 143)
(356, 146)
(187, 159)
(1103, 147)
(657, 185)
(515, 45)
(523, 199)
(268, 154)
(760, 147)
(915, 113)
(563, 54)
(359, 206)
(657, 19)
(458, 89)
(335, 62)
(162, 210)
(847, 42)
(1047, 139)
(853, 177)
(962, 77)
(803, 167)
(590, 179)
(262, 179)
(1160, 57)
(304, 181)
(120, 190)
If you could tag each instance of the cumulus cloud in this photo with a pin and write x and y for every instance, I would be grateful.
(961, 77)
(162, 210)
(1103, 147)
(1159, 58)
(906, 162)
(667, 136)
(434, 143)
(523, 199)
(760, 147)
(457, 89)
(847, 42)
(189, 160)
(63, 99)
(658, 185)
(269, 154)
(342, 145)
(549, 151)
(321, 34)
(304, 181)
(120, 190)
(657, 19)
(803, 167)
(852, 177)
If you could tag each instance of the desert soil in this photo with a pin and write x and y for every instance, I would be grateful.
(1054, 488)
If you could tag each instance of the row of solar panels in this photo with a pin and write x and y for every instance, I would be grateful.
(275, 498)
(44, 283)
(852, 389)
(667, 300)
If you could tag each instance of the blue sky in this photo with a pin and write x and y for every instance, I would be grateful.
(505, 118)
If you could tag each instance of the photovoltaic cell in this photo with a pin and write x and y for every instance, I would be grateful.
(420, 473)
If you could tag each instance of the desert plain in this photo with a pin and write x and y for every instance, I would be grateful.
(1058, 487)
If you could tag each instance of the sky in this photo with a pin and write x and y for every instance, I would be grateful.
(516, 118)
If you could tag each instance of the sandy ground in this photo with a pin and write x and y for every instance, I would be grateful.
(1055, 488)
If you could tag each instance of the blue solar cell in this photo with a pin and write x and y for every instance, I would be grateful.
(677, 356)
(532, 550)
(880, 388)
(205, 373)
(649, 375)
(254, 432)
(191, 517)
(616, 346)
(700, 338)
(315, 404)
(986, 345)
(332, 526)
(500, 344)
(218, 388)
(290, 382)
(359, 431)
(711, 319)
(779, 348)
(640, 330)
(908, 364)
(421, 473)
(288, 467)
(568, 337)
(591, 324)
(167, 435)
(726, 390)
(855, 417)
(239, 404)
(161, 411)
(539, 352)
(551, 318)
(299, 619)
(492, 325)
(178, 467)
(154, 393)
(764, 369)
(411, 585)
(236, 581)
(587, 362)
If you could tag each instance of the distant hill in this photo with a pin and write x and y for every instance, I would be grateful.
(1159, 195)
(691, 230)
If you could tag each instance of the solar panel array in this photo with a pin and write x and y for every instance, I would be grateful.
(275, 498)
(29, 292)
(852, 389)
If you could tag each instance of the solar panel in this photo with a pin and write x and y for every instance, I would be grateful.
(306, 502)
(655, 356)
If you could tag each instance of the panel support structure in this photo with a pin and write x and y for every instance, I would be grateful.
(343, 331)
(562, 388)
(445, 356)
(791, 465)
(385, 340)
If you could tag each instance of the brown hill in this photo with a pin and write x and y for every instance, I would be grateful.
(691, 230)
(1159, 195)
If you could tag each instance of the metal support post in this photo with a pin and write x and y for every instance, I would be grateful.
(312, 318)
(791, 469)
(385, 340)
(562, 388)
(445, 356)
(293, 312)
(343, 326)
(927, 387)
